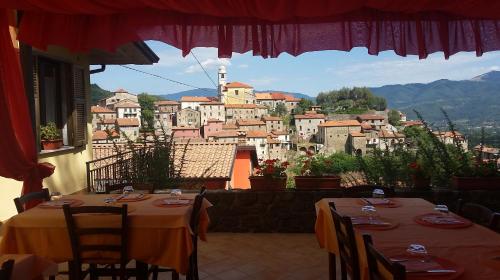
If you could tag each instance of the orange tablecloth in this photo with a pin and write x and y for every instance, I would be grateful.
(472, 248)
(30, 267)
(160, 236)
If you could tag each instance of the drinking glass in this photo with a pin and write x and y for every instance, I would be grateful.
(378, 193)
(419, 251)
(443, 209)
(128, 189)
(176, 193)
(55, 196)
(369, 211)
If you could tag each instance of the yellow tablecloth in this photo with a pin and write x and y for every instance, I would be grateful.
(473, 248)
(160, 236)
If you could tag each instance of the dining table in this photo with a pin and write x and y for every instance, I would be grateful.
(159, 234)
(474, 249)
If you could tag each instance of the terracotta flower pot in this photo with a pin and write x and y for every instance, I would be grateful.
(264, 183)
(317, 182)
(52, 144)
(476, 183)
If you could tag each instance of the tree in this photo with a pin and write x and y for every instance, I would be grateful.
(394, 117)
(147, 103)
(303, 106)
(350, 101)
(280, 110)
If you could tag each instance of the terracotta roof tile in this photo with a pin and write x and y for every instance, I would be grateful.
(107, 121)
(365, 125)
(249, 122)
(341, 123)
(99, 109)
(276, 132)
(127, 122)
(229, 126)
(224, 134)
(289, 98)
(103, 135)
(257, 134)
(356, 134)
(185, 128)
(263, 96)
(310, 116)
(271, 118)
(211, 103)
(205, 160)
(389, 134)
(371, 117)
(412, 123)
(195, 99)
(237, 85)
(271, 140)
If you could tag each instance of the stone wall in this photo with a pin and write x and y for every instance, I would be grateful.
(293, 211)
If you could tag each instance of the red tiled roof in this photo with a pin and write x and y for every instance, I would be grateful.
(365, 125)
(211, 103)
(412, 123)
(224, 134)
(276, 132)
(107, 121)
(237, 85)
(166, 102)
(271, 140)
(205, 160)
(289, 98)
(310, 116)
(263, 96)
(256, 134)
(371, 117)
(249, 122)
(241, 106)
(271, 118)
(102, 110)
(389, 134)
(448, 134)
(126, 104)
(121, 90)
(103, 135)
(229, 126)
(356, 134)
(127, 122)
(340, 123)
(195, 99)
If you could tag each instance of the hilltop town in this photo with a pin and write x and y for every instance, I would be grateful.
(275, 123)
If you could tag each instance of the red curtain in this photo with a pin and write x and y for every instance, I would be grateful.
(18, 154)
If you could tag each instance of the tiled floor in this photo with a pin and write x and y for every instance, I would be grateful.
(233, 256)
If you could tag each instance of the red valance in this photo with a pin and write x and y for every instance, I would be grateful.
(266, 27)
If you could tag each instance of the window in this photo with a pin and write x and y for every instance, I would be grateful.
(309, 121)
(236, 92)
(59, 96)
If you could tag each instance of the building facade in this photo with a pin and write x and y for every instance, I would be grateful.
(334, 135)
(212, 110)
(307, 125)
(188, 117)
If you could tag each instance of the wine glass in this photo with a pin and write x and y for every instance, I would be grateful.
(370, 211)
(442, 209)
(176, 193)
(419, 251)
(128, 189)
(378, 193)
(55, 196)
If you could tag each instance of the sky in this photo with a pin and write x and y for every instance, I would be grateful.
(309, 73)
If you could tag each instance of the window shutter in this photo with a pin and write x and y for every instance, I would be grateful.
(80, 107)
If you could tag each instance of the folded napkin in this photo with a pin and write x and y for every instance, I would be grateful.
(176, 201)
(442, 220)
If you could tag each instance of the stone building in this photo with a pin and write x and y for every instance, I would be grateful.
(376, 121)
(334, 135)
(167, 106)
(101, 113)
(212, 126)
(226, 136)
(307, 125)
(273, 123)
(118, 95)
(236, 112)
(258, 138)
(127, 109)
(357, 143)
(450, 138)
(251, 124)
(389, 140)
(188, 117)
(185, 132)
(269, 99)
(212, 110)
(193, 102)
(129, 127)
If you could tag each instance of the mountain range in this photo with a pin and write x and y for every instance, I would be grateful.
(469, 103)
(473, 102)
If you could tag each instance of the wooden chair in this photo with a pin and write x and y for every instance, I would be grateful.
(366, 191)
(479, 214)
(380, 268)
(20, 202)
(348, 250)
(194, 222)
(6, 270)
(332, 259)
(80, 249)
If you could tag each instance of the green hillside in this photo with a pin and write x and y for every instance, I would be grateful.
(97, 93)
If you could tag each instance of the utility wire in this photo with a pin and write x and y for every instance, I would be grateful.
(164, 78)
(204, 70)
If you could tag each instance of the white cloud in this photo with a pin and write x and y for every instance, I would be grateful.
(209, 63)
(243, 66)
(412, 70)
(263, 81)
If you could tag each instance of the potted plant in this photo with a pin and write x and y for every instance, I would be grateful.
(50, 137)
(320, 172)
(483, 175)
(270, 175)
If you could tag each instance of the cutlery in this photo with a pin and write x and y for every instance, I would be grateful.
(367, 201)
(398, 260)
(432, 271)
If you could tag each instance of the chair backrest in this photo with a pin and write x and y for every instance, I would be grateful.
(348, 250)
(195, 216)
(6, 270)
(380, 268)
(20, 202)
(475, 212)
(76, 234)
(366, 190)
